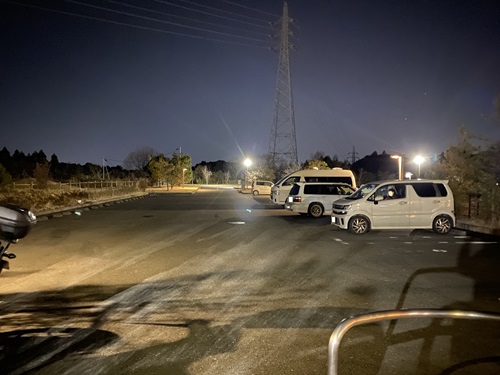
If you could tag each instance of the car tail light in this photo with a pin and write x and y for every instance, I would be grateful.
(297, 199)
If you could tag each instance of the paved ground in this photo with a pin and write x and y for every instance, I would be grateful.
(218, 282)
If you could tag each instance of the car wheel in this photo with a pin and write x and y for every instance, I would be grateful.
(255, 192)
(442, 224)
(316, 210)
(359, 225)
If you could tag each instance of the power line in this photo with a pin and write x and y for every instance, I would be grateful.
(222, 10)
(183, 17)
(249, 8)
(139, 27)
(161, 21)
(207, 13)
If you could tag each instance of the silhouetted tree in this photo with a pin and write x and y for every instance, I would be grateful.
(41, 174)
(160, 167)
(55, 167)
(471, 172)
(138, 160)
(5, 178)
(376, 167)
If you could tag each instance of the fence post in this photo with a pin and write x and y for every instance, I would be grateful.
(470, 204)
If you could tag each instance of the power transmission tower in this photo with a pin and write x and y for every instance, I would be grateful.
(283, 142)
(353, 155)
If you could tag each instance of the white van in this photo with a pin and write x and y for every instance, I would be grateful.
(281, 189)
(261, 187)
(316, 198)
(407, 204)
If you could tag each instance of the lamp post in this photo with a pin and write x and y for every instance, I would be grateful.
(400, 165)
(418, 160)
(247, 164)
(183, 171)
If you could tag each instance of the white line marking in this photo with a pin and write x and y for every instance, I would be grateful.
(476, 242)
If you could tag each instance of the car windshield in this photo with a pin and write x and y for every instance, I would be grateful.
(346, 189)
(363, 191)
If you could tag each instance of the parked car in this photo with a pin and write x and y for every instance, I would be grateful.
(315, 198)
(281, 188)
(407, 204)
(261, 187)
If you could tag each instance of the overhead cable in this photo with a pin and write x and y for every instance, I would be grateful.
(141, 27)
(249, 8)
(163, 21)
(209, 13)
(183, 17)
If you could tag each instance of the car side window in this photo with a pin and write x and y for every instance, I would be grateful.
(312, 189)
(295, 189)
(400, 190)
(425, 189)
(442, 190)
(330, 190)
(291, 181)
(386, 192)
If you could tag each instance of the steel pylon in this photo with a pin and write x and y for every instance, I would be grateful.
(283, 141)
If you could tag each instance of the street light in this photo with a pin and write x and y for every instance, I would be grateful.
(247, 164)
(183, 171)
(400, 165)
(418, 160)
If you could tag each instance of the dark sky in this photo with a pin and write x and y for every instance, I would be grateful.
(400, 76)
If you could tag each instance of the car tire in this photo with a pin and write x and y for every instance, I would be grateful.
(442, 224)
(255, 192)
(359, 225)
(316, 210)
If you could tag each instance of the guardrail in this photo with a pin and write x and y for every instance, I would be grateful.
(348, 323)
(79, 185)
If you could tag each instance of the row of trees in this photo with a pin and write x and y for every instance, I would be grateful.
(18, 165)
(473, 170)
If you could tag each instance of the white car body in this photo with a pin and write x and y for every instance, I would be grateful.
(315, 198)
(281, 188)
(261, 187)
(419, 204)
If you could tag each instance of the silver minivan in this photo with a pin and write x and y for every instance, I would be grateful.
(400, 204)
(261, 187)
(315, 198)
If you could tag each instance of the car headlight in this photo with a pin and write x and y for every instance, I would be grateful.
(341, 207)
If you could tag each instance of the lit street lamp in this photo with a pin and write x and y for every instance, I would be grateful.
(183, 171)
(247, 164)
(400, 165)
(419, 160)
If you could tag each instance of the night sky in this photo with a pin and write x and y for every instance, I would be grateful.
(89, 84)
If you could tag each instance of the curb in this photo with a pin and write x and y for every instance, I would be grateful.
(58, 212)
(476, 228)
